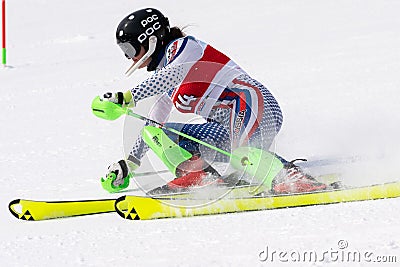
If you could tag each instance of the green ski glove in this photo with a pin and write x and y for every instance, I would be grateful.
(112, 106)
(118, 176)
(120, 98)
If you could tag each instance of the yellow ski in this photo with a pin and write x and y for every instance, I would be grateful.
(206, 202)
(43, 210)
(146, 208)
(31, 210)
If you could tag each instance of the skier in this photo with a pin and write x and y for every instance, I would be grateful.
(196, 78)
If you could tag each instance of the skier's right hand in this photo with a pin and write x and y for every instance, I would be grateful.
(118, 175)
(120, 98)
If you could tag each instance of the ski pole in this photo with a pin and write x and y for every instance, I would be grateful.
(265, 172)
(111, 111)
(262, 165)
(172, 130)
(151, 173)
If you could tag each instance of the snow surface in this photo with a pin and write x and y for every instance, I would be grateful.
(333, 66)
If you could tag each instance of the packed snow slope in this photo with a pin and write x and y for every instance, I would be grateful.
(333, 66)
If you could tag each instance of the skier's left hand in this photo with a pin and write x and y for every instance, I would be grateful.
(118, 175)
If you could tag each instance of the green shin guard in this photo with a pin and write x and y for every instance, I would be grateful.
(168, 151)
(264, 165)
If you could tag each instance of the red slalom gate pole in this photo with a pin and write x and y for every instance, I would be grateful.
(3, 47)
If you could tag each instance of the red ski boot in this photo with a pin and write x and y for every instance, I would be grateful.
(292, 180)
(195, 172)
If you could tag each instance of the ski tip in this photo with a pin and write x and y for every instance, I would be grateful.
(125, 211)
(16, 209)
(119, 206)
(120, 199)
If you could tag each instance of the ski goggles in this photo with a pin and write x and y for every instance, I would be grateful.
(130, 50)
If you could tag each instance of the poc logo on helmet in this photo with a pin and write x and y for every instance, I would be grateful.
(149, 20)
(149, 31)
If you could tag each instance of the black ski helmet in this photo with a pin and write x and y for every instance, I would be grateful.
(136, 28)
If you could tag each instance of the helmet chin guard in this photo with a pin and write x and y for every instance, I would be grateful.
(136, 65)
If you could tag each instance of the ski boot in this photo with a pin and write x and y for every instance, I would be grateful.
(291, 179)
(190, 174)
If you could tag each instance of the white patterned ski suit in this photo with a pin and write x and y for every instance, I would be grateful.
(196, 78)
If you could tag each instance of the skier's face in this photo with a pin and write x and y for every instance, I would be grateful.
(139, 56)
